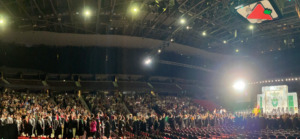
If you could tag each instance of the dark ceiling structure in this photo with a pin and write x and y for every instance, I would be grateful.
(159, 19)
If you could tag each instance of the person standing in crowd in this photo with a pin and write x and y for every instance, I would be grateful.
(93, 128)
(113, 123)
(19, 125)
(107, 128)
(143, 125)
(28, 126)
(150, 123)
(57, 127)
(162, 124)
(135, 126)
(172, 122)
(40, 127)
(80, 127)
(87, 127)
(48, 127)
(121, 125)
(156, 124)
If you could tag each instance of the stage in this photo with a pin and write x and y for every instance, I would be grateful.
(276, 100)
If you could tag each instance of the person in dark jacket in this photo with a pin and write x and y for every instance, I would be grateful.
(57, 127)
(143, 125)
(121, 125)
(69, 128)
(135, 126)
(28, 126)
(40, 126)
(87, 127)
(156, 124)
(295, 122)
(48, 127)
(150, 123)
(162, 124)
(80, 127)
(113, 124)
(107, 128)
(172, 122)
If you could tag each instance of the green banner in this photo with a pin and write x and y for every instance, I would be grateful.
(291, 101)
(260, 102)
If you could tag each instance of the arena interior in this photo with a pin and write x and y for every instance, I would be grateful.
(149, 69)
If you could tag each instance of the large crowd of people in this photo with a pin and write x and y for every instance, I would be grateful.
(65, 116)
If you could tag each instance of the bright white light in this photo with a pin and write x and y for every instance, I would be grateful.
(203, 33)
(239, 85)
(251, 27)
(1, 21)
(224, 41)
(172, 40)
(87, 13)
(182, 21)
(159, 50)
(148, 61)
(188, 27)
(237, 50)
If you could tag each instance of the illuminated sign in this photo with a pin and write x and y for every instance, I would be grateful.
(257, 12)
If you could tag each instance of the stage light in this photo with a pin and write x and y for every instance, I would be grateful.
(203, 33)
(251, 27)
(224, 41)
(239, 85)
(148, 61)
(87, 13)
(135, 9)
(159, 50)
(182, 21)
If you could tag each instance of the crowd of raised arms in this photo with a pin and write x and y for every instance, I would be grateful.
(66, 115)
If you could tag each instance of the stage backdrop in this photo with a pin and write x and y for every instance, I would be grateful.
(277, 100)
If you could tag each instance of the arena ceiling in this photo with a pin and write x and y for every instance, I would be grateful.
(225, 30)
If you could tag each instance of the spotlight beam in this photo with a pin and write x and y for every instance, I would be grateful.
(239, 85)
(6, 8)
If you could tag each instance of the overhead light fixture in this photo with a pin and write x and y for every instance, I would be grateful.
(251, 27)
(159, 50)
(239, 85)
(148, 61)
(87, 13)
(182, 21)
(135, 9)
